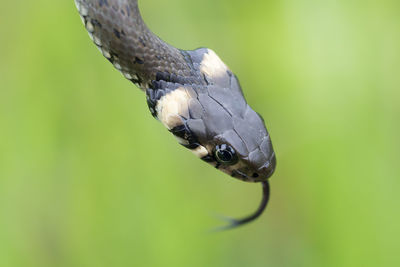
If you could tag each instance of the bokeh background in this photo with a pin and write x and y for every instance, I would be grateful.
(89, 178)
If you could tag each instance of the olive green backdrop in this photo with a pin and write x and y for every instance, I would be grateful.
(89, 178)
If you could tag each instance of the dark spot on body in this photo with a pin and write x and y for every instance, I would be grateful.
(184, 132)
(163, 76)
(85, 20)
(142, 41)
(138, 61)
(137, 81)
(208, 158)
(181, 131)
(171, 78)
(95, 22)
(112, 58)
(117, 33)
(115, 7)
(152, 97)
(255, 175)
(103, 2)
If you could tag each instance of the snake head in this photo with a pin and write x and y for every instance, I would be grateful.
(213, 119)
(245, 151)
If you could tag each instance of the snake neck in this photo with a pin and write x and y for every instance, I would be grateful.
(118, 30)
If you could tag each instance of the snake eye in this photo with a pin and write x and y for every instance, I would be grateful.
(225, 154)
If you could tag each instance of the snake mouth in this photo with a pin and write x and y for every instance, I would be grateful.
(269, 167)
(240, 174)
(255, 177)
(259, 175)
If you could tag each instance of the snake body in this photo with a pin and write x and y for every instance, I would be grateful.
(193, 93)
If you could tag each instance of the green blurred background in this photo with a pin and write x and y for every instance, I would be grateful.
(89, 178)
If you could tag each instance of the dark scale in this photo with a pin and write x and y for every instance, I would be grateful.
(137, 81)
(171, 78)
(138, 61)
(95, 23)
(142, 41)
(208, 158)
(163, 76)
(152, 97)
(184, 132)
(117, 33)
(103, 2)
(113, 57)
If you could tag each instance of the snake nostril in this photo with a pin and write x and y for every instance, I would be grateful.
(255, 175)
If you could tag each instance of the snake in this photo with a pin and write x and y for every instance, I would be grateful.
(192, 93)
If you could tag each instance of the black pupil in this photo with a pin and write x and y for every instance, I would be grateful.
(224, 155)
